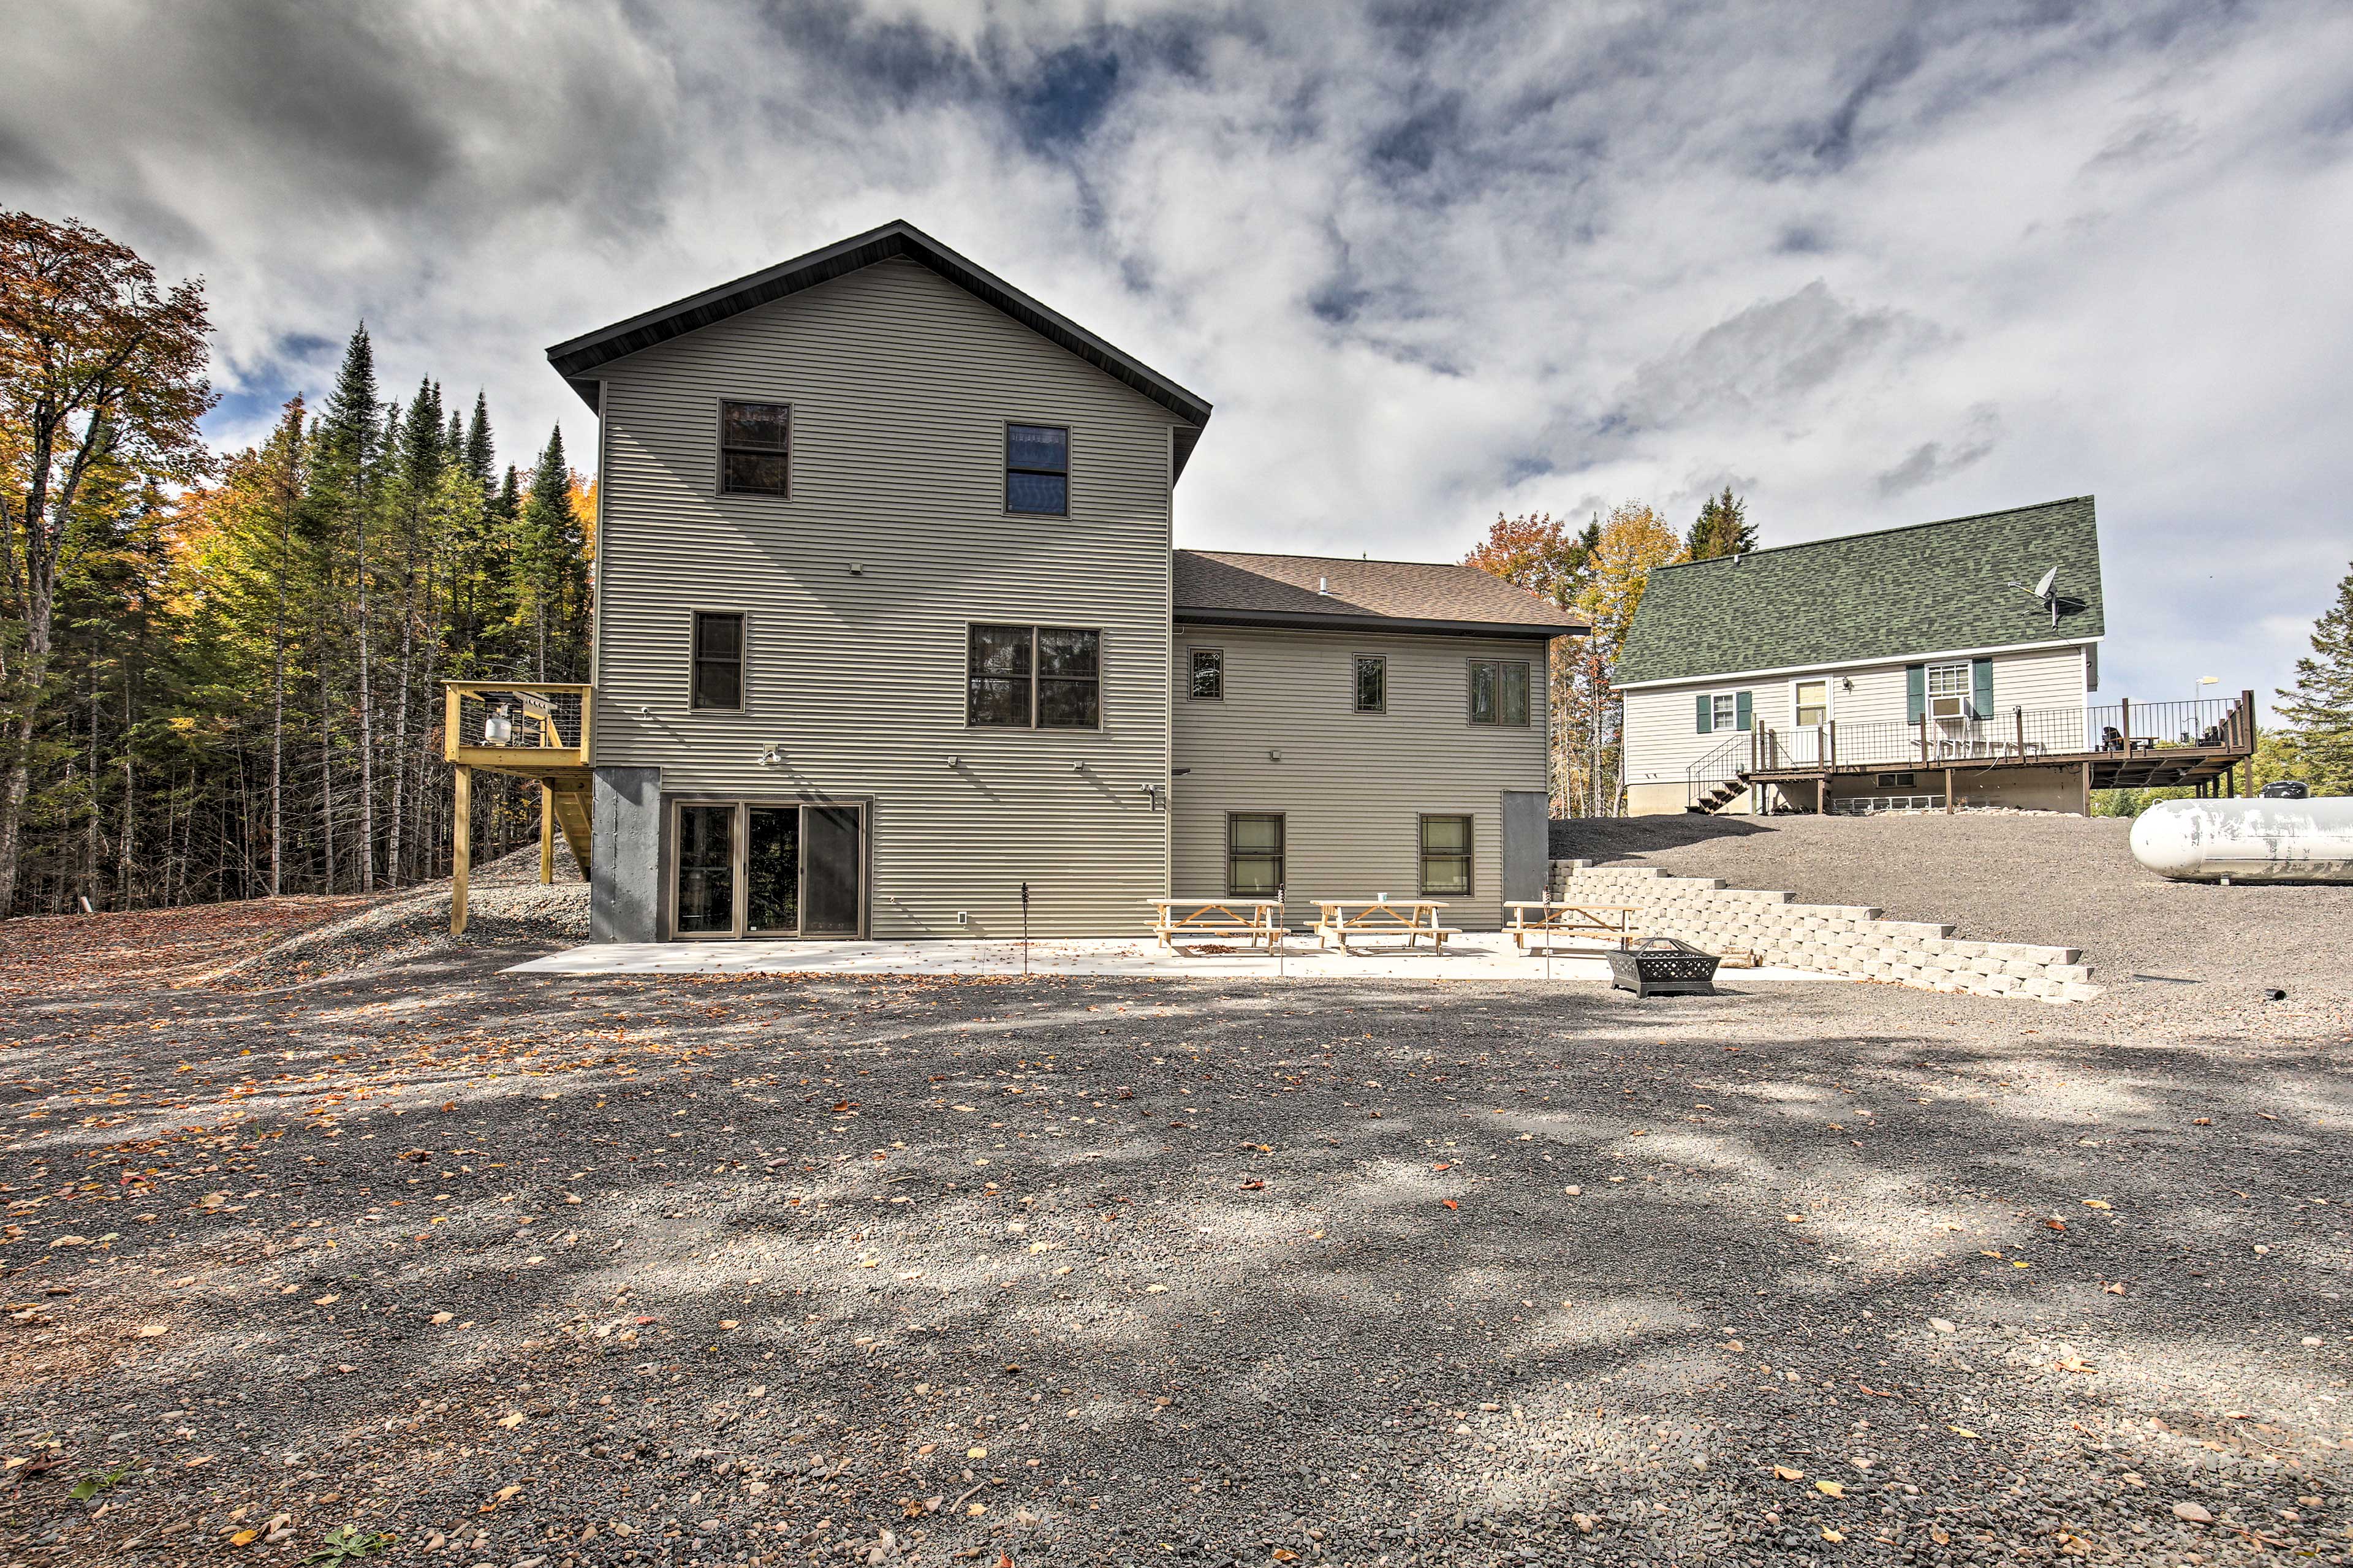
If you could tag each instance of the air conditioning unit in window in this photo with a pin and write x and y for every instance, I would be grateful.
(1955, 707)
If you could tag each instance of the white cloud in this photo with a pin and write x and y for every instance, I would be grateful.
(1870, 265)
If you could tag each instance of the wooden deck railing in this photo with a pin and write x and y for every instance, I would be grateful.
(503, 723)
(2017, 735)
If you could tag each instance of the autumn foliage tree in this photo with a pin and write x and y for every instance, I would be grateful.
(101, 371)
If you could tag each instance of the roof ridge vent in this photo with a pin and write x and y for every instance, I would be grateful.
(1323, 586)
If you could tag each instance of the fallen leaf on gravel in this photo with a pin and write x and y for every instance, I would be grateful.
(2096, 1204)
(148, 1331)
(1795, 1218)
(1830, 1534)
(244, 1537)
(2115, 1290)
(1441, 1165)
(727, 1323)
(1829, 1488)
(2074, 1545)
(2132, 1478)
(2073, 1363)
(1572, 1192)
(976, 1453)
(1786, 1474)
(1284, 1554)
(1939, 1537)
(1961, 1431)
(444, 1317)
(1253, 1187)
(511, 1422)
(327, 1301)
(2054, 1223)
(2192, 1513)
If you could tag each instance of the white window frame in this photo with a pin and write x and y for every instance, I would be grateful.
(1723, 710)
(1962, 692)
(1830, 689)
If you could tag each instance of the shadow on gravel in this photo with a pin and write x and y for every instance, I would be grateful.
(1362, 1272)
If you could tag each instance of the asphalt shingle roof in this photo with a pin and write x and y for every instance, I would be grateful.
(1281, 590)
(1932, 587)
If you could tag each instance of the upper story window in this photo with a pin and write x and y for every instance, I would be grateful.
(755, 448)
(1499, 691)
(1208, 683)
(718, 675)
(1038, 470)
(1034, 678)
(1371, 683)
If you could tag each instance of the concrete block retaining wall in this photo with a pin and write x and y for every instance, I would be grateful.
(1833, 938)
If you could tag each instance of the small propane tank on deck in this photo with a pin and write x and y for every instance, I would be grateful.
(2247, 841)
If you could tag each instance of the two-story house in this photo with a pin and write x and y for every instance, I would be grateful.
(892, 639)
(1932, 666)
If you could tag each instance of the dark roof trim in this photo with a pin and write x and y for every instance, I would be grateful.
(1372, 623)
(577, 359)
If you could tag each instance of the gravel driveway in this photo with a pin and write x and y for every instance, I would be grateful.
(536, 1271)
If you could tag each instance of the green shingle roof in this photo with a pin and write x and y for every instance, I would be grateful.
(1899, 592)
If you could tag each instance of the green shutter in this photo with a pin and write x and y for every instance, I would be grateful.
(1982, 688)
(1707, 715)
(1744, 710)
(1915, 692)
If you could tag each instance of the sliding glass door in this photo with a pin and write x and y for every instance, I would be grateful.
(768, 872)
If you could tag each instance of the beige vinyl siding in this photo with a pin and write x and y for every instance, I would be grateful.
(857, 591)
(1352, 787)
(1662, 737)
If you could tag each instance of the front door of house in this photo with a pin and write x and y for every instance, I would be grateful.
(754, 870)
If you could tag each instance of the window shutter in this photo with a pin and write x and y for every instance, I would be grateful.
(1744, 710)
(1915, 692)
(1982, 688)
(1707, 715)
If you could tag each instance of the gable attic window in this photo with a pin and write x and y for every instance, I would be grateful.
(1038, 470)
(755, 442)
(718, 675)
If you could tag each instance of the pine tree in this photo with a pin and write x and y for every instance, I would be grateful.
(482, 455)
(2320, 704)
(1721, 529)
(548, 558)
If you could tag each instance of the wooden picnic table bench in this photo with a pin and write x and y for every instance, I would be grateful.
(1411, 919)
(1262, 926)
(1532, 918)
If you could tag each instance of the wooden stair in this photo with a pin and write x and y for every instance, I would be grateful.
(572, 807)
(1719, 796)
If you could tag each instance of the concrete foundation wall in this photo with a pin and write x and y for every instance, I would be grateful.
(624, 857)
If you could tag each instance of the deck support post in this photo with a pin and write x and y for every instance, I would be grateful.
(1822, 795)
(547, 836)
(462, 837)
(2087, 789)
(1948, 792)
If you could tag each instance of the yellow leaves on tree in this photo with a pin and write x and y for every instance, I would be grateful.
(1634, 540)
(1535, 553)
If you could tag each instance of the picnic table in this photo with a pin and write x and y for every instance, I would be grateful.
(1261, 925)
(1534, 918)
(1411, 919)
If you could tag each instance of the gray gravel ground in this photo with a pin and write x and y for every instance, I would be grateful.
(532, 1271)
(2182, 956)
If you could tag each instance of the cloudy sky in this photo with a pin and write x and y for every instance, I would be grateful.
(1868, 263)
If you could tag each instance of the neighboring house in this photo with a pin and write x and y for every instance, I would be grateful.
(889, 628)
(1932, 666)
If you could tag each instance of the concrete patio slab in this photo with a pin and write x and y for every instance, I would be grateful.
(1475, 956)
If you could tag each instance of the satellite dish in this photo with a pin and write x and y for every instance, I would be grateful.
(2042, 588)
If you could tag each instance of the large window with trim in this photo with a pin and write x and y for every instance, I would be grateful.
(1446, 855)
(1253, 854)
(718, 675)
(1038, 470)
(1499, 691)
(755, 448)
(1033, 678)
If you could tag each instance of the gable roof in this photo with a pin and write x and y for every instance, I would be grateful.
(576, 358)
(1932, 587)
(1220, 587)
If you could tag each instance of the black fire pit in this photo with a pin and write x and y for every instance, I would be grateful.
(1662, 966)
